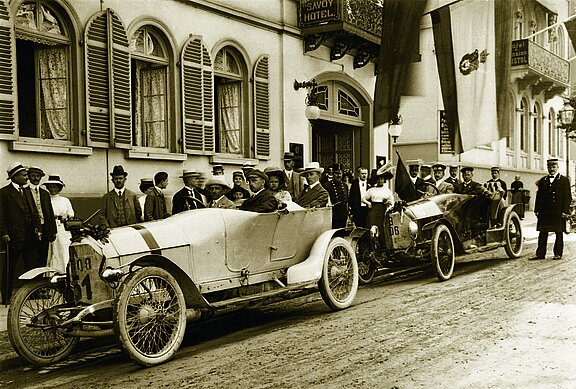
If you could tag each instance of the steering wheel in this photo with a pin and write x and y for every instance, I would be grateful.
(432, 186)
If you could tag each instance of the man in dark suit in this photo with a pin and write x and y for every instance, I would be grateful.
(263, 199)
(120, 206)
(453, 178)
(358, 189)
(468, 186)
(425, 184)
(313, 195)
(44, 216)
(189, 197)
(338, 192)
(294, 183)
(17, 227)
(552, 206)
(498, 191)
(155, 205)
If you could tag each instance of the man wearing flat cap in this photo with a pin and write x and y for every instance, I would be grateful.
(468, 186)
(313, 195)
(497, 190)
(17, 226)
(120, 206)
(338, 193)
(189, 197)
(263, 199)
(44, 216)
(425, 186)
(441, 184)
(552, 206)
(294, 182)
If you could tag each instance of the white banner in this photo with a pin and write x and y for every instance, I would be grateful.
(474, 61)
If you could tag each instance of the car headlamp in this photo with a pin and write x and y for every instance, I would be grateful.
(413, 228)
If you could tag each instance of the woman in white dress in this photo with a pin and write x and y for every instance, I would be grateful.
(58, 254)
(379, 198)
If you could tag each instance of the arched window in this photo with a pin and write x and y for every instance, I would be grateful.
(230, 79)
(150, 92)
(523, 124)
(537, 129)
(43, 65)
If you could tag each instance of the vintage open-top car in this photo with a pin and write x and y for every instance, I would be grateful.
(432, 231)
(143, 282)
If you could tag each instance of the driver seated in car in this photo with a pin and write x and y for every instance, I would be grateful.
(263, 199)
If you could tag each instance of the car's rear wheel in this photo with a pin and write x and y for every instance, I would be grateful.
(339, 282)
(32, 329)
(364, 257)
(442, 252)
(150, 316)
(513, 237)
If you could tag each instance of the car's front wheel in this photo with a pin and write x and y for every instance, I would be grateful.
(339, 282)
(442, 252)
(32, 325)
(364, 257)
(150, 316)
(513, 238)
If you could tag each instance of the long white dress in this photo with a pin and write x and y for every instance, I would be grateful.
(58, 254)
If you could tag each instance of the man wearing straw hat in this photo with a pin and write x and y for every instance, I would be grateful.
(189, 197)
(313, 195)
(17, 226)
(217, 186)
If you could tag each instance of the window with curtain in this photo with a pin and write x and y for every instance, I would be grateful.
(229, 77)
(43, 68)
(149, 89)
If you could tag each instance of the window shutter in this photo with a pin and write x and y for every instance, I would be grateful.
(108, 82)
(262, 108)
(7, 74)
(197, 97)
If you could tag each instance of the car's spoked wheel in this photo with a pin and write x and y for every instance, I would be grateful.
(339, 282)
(31, 324)
(442, 253)
(513, 237)
(364, 256)
(150, 316)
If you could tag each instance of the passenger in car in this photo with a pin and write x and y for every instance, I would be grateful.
(263, 199)
(468, 186)
(217, 187)
(277, 184)
(441, 183)
(313, 195)
(497, 191)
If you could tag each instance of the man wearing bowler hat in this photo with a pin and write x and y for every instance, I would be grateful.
(552, 206)
(263, 199)
(120, 206)
(189, 197)
(17, 226)
(313, 195)
(294, 182)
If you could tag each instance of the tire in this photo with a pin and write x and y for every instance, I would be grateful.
(513, 237)
(364, 257)
(31, 330)
(442, 253)
(150, 299)
(339, 282)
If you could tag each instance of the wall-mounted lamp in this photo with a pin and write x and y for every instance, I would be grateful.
(395, 127)
(312, 111)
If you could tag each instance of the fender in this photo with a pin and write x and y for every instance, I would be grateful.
(31, 274)
(311, 268)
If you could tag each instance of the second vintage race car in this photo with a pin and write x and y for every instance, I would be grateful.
(143, 282)
(432, 231)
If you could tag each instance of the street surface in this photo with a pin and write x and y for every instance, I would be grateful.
(498, 323)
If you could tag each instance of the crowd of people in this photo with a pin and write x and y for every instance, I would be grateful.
(32, 215)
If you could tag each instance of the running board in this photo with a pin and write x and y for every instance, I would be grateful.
(264, 295)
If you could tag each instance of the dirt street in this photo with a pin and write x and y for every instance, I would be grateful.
(498, 323)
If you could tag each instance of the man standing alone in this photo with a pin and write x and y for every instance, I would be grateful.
(357, 191)
(552, 205)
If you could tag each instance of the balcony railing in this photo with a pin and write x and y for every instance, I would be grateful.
(538, 61)
(347, 26)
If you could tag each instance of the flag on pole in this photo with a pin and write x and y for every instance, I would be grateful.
(464, 36)
(403, 185)
(398, 48)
